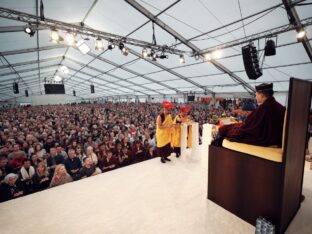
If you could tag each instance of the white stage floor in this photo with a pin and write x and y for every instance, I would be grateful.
(148, 197)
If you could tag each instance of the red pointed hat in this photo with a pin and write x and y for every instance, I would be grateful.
(185, 108)
(167, 105)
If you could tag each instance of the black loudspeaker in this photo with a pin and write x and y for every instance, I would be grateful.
(26, 93)
(92, 88)
(15, 87)
(270, 49)
(251, 61)
(74, 93)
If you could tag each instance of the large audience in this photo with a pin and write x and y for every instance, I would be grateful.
(46, 146)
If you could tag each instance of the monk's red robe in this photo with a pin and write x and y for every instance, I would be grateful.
(263, 127)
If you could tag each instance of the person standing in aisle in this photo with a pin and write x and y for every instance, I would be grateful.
(164, 126)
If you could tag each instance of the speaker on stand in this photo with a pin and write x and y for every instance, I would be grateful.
(15, 88)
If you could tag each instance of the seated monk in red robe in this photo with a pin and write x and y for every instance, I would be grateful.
(263, 127)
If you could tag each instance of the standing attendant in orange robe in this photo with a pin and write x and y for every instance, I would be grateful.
(164, 126)
(182, 117)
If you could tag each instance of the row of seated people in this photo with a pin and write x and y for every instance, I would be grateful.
(39, 173)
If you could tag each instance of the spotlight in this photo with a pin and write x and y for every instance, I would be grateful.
(111, 46)
(99, 45)
(196, 56)
(125, 51)
(121, 45)
(301, 35)
(217, 54)
(153, 55)
(83, 47)
(269, 48)
(57, 78)
(144, 53)
(64, 69)
(70, 39)
(55, 37)
(29, 30)
(182, 59)
(207, 57)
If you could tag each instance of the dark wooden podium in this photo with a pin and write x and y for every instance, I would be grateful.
(250, 186)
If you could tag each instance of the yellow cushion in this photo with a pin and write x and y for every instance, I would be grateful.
(284, 130)
(269, 153)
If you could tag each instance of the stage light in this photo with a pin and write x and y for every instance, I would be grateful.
(144, 53)
(99, 45)
(125, 51)
(70, 39)
(54, 36)
(182, 59)
(29, 30)
(64, 69)
(196, 56)
(121, 46)
(217, 54)
(153, 55)
(207, 57)
(301, 35)
(57, 78)
(83, 47)
(111, 46)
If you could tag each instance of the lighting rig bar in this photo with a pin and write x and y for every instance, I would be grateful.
(83, 30)
(265, 34)
(294, 19)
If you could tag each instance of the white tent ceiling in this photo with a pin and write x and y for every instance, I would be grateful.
(115, 74)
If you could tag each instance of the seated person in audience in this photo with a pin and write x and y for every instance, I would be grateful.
(146, 145)
(16, 158)
(79, 153)
(60, 176)
(60, 151)
(49, 143)
(88, 169)
(125, 158)
(41, 178)
(126, 143)
(54, 159)
(26, 176)
(73, 164)
(11, 188)
(40, 152)
(151, 152)
(4, 166)
(101, 155)
(138, 151)
(88, 143)
(118, 150)
(92, 155)
(263, 127)
(1, 179)
(34, 160)
(110, 162)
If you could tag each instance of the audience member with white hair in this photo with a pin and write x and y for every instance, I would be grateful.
(11, 188)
